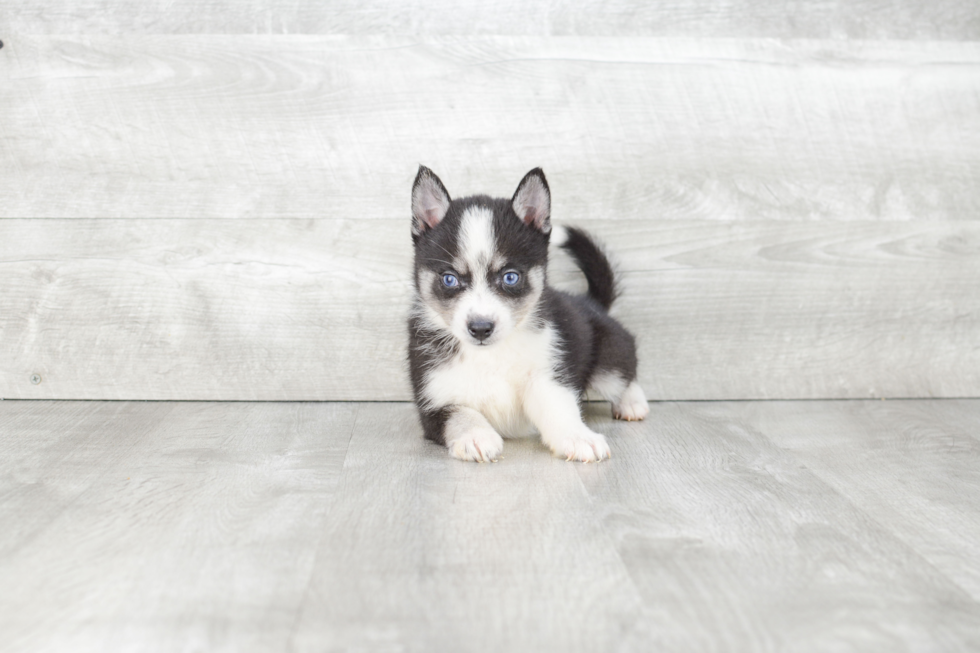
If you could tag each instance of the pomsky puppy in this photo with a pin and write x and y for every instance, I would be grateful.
(493, 350)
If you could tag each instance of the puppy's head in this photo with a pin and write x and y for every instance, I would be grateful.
(480, 263)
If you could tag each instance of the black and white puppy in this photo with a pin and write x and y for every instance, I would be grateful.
(493, 350)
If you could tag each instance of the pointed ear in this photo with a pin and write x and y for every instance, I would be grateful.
(430, 201)
(532, 201)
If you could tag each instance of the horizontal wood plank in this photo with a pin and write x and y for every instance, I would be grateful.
(913, 466)
(155, 521)
(746, 544)
(422, 552)
(275, 526)
(864, 19)
(315, 309)
(638, 128)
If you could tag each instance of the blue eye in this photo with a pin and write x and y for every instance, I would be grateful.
(511, 278)
(450, 280)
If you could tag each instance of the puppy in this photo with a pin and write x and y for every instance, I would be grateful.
(493, 350)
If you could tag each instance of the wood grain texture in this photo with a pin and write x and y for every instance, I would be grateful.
(315, 309)
(913, 466)
(308, 527)
(741, 546)
(334, 126)
(861, 19)
(461, 557)
(152, 523)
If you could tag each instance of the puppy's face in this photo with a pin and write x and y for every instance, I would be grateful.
(479, 265)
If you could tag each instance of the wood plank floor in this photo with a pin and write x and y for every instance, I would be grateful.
(716, 526)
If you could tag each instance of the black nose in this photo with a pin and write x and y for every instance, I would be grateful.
(480, 329)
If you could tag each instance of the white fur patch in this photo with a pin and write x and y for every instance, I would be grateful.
(608, 385)
(632, 405)
(479, 301)
(628, 401)
(470, 437)
(554, 408)
(512, 386)
(559, 236)
(494, 380)
(476, 240)
(535, 277)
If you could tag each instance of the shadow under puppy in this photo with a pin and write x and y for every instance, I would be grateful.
(493, 350)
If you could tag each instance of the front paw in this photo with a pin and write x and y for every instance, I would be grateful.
(481, 445)
(584, 445)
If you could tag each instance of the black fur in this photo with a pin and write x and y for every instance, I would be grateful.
(594, 264)
(592, 341)
(434, 423)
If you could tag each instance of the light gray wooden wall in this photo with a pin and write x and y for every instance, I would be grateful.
(857, 19)
(210, 201)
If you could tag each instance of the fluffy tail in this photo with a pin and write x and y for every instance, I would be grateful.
(590, 259)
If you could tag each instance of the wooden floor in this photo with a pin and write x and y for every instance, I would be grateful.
(738, 526)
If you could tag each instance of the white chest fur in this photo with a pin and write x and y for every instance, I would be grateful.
(494, 379)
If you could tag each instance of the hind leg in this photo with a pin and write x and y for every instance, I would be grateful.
(615, 376)
(632, 405)
(628, 401)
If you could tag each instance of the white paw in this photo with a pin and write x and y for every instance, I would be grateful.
(585, 445)
(481, 445)
(632, 406)
(631, 412)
